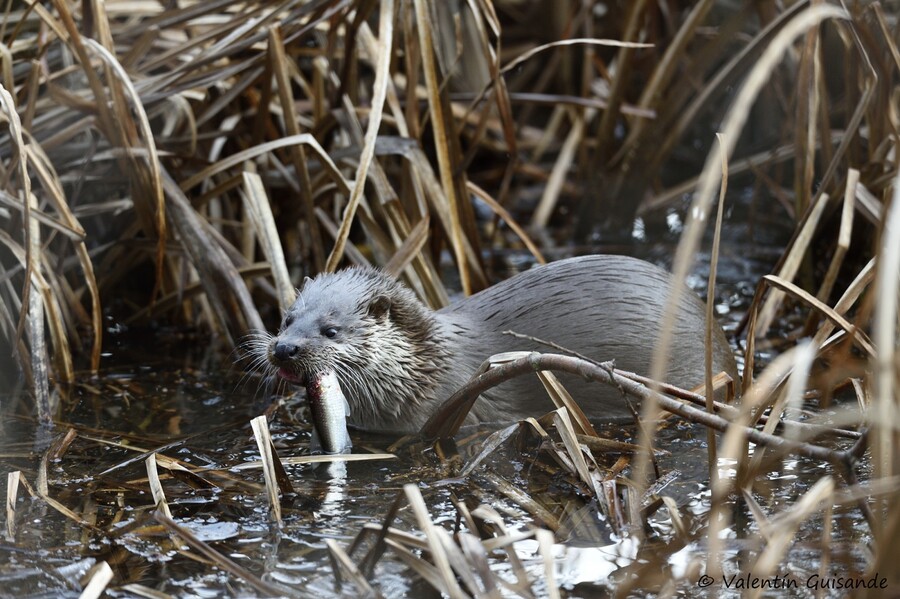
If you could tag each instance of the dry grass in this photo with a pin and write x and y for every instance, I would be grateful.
(186, 165)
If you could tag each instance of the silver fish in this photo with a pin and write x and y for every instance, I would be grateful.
(329, 412)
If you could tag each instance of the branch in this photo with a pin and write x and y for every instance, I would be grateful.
(446, 421)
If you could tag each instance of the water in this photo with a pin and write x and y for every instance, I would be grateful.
(201, 418)
(172, 395)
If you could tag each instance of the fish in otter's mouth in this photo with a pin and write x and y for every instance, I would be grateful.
(329, 410)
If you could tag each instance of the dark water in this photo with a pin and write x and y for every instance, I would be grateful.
(189, 405)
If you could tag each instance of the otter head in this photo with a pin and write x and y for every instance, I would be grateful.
(326, 324)
(371, 331)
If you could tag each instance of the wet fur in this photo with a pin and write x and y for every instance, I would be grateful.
(397, 360)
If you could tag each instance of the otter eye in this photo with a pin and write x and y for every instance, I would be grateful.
(288, 321)
(330, 332)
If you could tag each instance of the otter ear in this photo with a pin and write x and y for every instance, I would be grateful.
(299, 290)
(379, 306)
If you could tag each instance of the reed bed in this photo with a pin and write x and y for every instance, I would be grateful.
(187, 165)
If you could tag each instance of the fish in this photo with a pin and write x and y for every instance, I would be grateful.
(329, 410)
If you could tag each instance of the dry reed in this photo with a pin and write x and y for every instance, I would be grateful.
(186, 164)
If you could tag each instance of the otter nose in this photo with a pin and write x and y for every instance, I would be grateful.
(285, 350)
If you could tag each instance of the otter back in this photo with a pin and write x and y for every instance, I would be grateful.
(605, 307)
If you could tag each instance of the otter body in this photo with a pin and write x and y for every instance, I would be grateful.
(397, 360)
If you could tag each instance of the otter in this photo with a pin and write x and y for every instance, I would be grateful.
(397, 360)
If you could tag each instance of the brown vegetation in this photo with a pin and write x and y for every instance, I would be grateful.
(189, 164)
